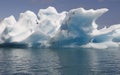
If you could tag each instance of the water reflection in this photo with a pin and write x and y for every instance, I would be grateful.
(59, 62)
(48, 63)
(74, 61)
(28, 61)
(105, 62)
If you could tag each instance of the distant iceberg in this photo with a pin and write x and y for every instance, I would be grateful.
(75, 28)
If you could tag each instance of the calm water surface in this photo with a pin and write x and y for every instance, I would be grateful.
(59, 62)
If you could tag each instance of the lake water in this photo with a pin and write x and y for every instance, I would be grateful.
(59, 62)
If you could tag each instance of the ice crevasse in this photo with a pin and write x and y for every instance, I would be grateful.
(75, 28)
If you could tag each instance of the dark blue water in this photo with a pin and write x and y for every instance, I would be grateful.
(59, 62)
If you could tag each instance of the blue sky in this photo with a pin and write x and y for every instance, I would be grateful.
(14, 7)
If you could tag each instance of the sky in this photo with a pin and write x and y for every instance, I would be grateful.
(15, 7)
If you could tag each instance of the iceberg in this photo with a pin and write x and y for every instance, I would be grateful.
(50, 29)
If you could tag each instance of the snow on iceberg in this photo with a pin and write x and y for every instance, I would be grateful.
(75, 28)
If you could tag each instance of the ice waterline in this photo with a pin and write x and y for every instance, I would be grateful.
(75, 28)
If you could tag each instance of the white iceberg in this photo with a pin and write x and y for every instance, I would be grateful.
(75, 28)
